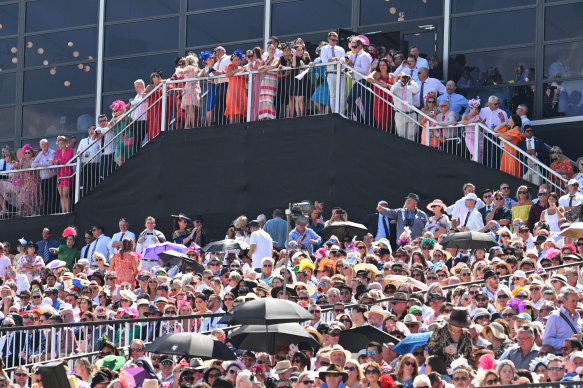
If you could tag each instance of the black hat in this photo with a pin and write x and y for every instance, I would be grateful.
(182, 215)
(362, 273)
(198, 217)
(433, 295)
(253, 223)
(413, 196)
(360, 289)
(400, 297)
(384, 251)
(151, 310)
(333, 369)
(488, 274)
(540, 239)
(459, 317)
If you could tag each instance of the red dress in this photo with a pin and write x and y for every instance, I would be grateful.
(154, 113)
(383, 112)
(61, 158)
(236, 96)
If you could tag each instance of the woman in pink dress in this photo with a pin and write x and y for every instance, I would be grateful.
(473, 117)
(254, 61)
(191, 96)
(64, 183)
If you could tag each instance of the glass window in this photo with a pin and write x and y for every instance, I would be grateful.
(563, 98)
(473, 6)
(8, 54)
(509, 96)
(381, 11)
(514, 27)
(51, 14)
(563, 60)
(8, 88)
(198, 5)
(132, 9)
(493, 67)
(67, 46)
(298, 17)
(564, 21)
(55, 118)
(8, 20)
(120, 74)
(139, 37)
(58, 82)
(224, 26)
(7, 123)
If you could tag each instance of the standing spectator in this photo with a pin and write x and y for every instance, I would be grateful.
(378, 224)
(254, 62)
(125, 263)
(421, 62)
(85, 251)
(361, 61)
(300, 87)
(191, 97)
(277, 228)
(563, 323)
(409, 67)
(303, 237)
(67, 252)
(100, 244)
(405, 119)
(453, 338)
(494, 116)
(88, 151)
(332, 52)
(537, 150)
(522, 110)
(510, 131)
(45, 245)
(222, 61)
(268, 89)
(64, 183)
(48, 177)
(154, 101)
(149, 236)
(274, 40)
(139, 115)
(260, 243)
(321, 95)
(457, 102)
(444, 119)
(383, 112)
(236, 98)
(409, 215)
(124, 232)
(472, 119)
(428, 85)
(106, 134)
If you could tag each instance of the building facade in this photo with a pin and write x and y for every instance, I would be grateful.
(64, 61)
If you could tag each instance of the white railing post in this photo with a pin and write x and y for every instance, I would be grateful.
(249, 96)
(476, 157)
(78, 180)
(53, 342)
(427, 134)
(127, 334)
(164, 104)
(337, 86)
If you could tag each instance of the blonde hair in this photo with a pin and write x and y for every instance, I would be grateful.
(192, 59)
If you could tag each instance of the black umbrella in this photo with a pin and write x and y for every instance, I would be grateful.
(262, 338)
(191, 344)
(171, 258)
(225, 245)
(192, 264)
(468, 240)
(356, 339)
(266, 311)
(344, 229)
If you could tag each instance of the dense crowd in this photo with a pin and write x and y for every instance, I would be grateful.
(519, 323)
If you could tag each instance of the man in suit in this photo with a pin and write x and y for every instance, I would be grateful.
(377, 224)
(535, 148)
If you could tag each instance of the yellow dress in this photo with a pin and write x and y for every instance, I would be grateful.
(521, 211)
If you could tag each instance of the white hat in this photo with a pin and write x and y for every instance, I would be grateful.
(519, 274)
(575, 355)
(573, 182)
(471, 196)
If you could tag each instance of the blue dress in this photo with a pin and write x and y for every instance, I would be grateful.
(318, 76)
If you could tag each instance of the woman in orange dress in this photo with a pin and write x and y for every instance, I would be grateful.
(236, 97)
(125, 262)
(510, 131)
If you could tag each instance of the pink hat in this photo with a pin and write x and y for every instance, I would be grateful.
(364, 39)
(437, 202)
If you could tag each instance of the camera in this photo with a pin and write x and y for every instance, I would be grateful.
(340, 211)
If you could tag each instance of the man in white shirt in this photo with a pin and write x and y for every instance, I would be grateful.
(260, 243)
(492, 114)
(409, 67)
(426, 86)
(361, 61)
(458, 209)
(106, 133)
(472, 222)
(139, 115)
(274, 40)
(100, 244)
(334, 53)
(421, 62)
(89, 154)
(522, 110)
(148, 237)
(405, 119)
(222, 61)
(48, 177)
(573, 197)
(116, 239)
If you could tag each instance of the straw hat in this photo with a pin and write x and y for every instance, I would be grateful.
(150, 383)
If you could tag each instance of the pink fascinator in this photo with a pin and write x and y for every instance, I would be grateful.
(25, 148)
(118, 105)
(474, 103)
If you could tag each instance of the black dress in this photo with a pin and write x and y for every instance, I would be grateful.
(285, 82)
(300, 88)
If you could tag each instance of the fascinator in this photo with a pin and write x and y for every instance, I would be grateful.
(117, 105)
(238, 53)
(474, 103)
(430, 95)
(25, 148)
(205, 55)
(69, 231)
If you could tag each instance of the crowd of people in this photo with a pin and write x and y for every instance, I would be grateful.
(287, 83)
(497, 316)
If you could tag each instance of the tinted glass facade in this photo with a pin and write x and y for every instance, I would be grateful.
(57, 71)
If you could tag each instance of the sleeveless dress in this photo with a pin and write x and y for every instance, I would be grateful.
(383, 112)
(553, 221)
(191, 95)
(470, 139)
(267, 93)
(60, 159)
(508, 163)
(236, 96)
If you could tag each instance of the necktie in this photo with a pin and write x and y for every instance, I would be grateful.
(121, 237)
(571, 198)
(333, 54)
(421, 95)
(467, 218)
(46, 252)
(529, 147)
(386, 227)
(404, 96)
(94, 247)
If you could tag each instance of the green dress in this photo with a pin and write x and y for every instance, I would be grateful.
(68, 255)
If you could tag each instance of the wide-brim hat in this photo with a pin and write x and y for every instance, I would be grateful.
(182, 215)
(315, 334)
(56, 264)
(496, 329)
(290, 291)
(366, 267)
(459, 317)
(283, 366)
(111, 362)
(333, 369)
(437, 202)
(308, 286)
(377, 310)
(399, 297)
(127, 294)
(263, 287)
(340, 349)
(150, 383)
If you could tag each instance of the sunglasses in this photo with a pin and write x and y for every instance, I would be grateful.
(371, 372)
(166, 362)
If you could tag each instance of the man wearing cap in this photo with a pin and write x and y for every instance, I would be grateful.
(334, 331)
(334, 376)
(563, 323)
(166, 367)
(124, 232)
(573, 196)
(492, 283)
(377, 224)
(260, 242)
(304, 237)
(410, 216)
(458, 210)
(472, 219)
(398, 305)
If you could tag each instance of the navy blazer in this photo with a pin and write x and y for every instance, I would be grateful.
(539, 147)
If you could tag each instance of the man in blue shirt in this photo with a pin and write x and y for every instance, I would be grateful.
(277, 228)
(304, 237)
(457, 102)
(409, 216)
(564, 323)
(44, 246)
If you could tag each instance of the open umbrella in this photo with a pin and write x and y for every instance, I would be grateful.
(171, 258)
(153, 250)
(192, 264)
(191, 344)
(266, 311)
(261, 338)
(398, 280)
(412, 341)
(357, 338)
(574, 231)
(343, 229)
(468, 240)
(225, 245)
